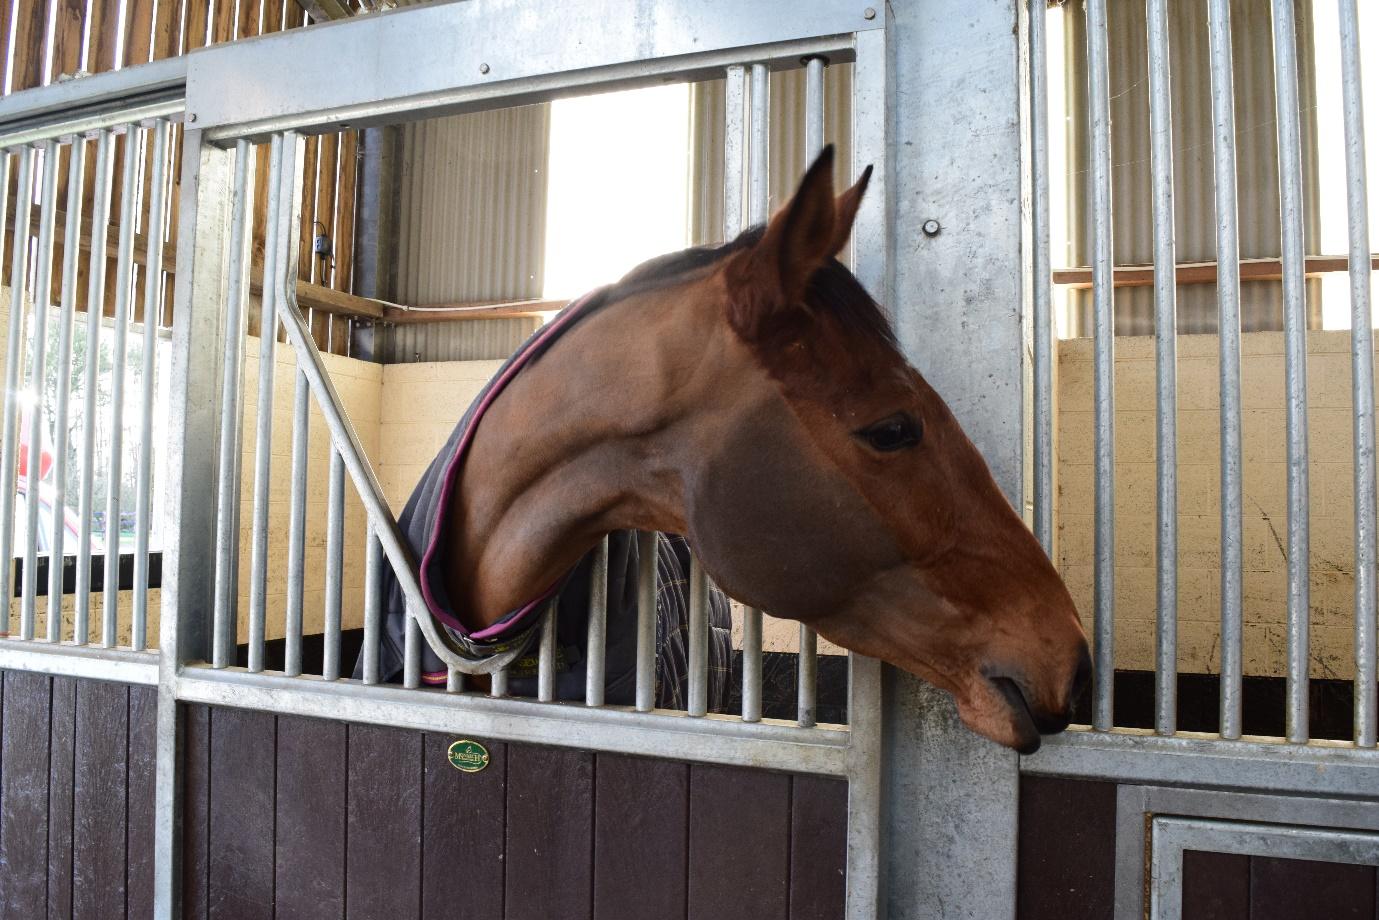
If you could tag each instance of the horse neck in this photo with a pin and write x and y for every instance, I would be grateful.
(592, 437)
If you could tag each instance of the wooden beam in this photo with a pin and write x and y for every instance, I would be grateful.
(492, 309)
(1205, 272)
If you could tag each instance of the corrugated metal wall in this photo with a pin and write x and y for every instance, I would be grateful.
(786, 143)
(471, 228)
(1195, 217)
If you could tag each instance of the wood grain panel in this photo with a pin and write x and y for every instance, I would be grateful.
(240, 864)
(62, 746)
(383, 862)
(312, 765)
(464, 818)
(1296, 889)
(641, 817)
(102, 777)
(818, 847)
(196, 791)
(1066, 849)
(24, 795)
(143, 762)
(739, 838)
(549, 833)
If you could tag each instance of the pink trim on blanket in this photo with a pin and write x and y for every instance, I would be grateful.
(551, 330)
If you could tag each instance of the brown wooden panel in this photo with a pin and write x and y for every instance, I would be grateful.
(1296, 889)
(196, 19)
(240, 864)
(549, 833)
(62, 739)
(24, 795)
(67, 37)
(143, 755)
(247, 25)
(818, 847)
(272, 17)
(383, 863)
(342, 277)
(222, 21)
(312, 766)
(739, 838)
(196, 792)
(1067, 849)
(30, 26)
(138, 38)
(462, 842)
(166, 17)
(1216, 886)
(640, 818)
(102, 771)
(105, 34)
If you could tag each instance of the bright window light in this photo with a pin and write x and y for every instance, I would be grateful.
(618, 185)
(1335, 238)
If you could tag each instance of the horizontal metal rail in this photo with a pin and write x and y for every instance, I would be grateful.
(709, 739)
(1208, 760)
(113, 664)
(95, 121)
(87, 95)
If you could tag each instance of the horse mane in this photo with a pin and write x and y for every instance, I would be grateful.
(833, 290)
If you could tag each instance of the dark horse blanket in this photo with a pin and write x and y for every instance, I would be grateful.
(423, 523)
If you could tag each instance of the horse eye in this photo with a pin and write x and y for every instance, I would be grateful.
(897, 432)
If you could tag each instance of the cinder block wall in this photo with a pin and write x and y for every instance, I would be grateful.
(1265, 517)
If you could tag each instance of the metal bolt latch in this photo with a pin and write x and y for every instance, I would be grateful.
(483, 68)
(932, 227)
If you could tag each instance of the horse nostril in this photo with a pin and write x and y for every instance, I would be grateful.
(1082, 678)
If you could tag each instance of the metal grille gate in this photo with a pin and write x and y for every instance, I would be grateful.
(1296, 795)
(483, 56)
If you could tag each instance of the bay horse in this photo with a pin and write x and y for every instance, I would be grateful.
(752, 397)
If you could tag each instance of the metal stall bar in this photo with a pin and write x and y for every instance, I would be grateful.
(1043, 277)
(545, 655)
(227, 535)
(598, 627)
(411, 654)
(153, 298)
(1228, 301)
(1098, 80)
(71, 249)
(1362, 375)
(14, 358)
(1165, 373)
(335, 566)
(758, 203)
(647, 545)
(698, 652)
(373, 605)
(43, 282)
(95, 299)
(807, 672)
(296, 529)
(263, 431)
(119, 346)
(1295, 361)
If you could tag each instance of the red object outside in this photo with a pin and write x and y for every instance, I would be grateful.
(45, 457)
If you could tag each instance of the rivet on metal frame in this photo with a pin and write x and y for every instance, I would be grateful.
(869, 13)
(483, 68)
(932, 227)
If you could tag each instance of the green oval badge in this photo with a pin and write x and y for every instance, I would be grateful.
(468, 756)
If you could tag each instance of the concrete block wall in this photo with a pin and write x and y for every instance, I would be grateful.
(1265, 513)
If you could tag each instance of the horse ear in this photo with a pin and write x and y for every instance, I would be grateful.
(846, 211)
(770, 277)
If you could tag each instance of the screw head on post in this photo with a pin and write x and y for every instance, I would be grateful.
(932, 227)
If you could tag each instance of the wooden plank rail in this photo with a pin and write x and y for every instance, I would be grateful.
(1204, 272)
(317, 296)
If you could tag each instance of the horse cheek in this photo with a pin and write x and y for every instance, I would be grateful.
(779, 527)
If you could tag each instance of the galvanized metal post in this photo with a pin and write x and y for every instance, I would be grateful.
(950, 813)
(194, 389)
